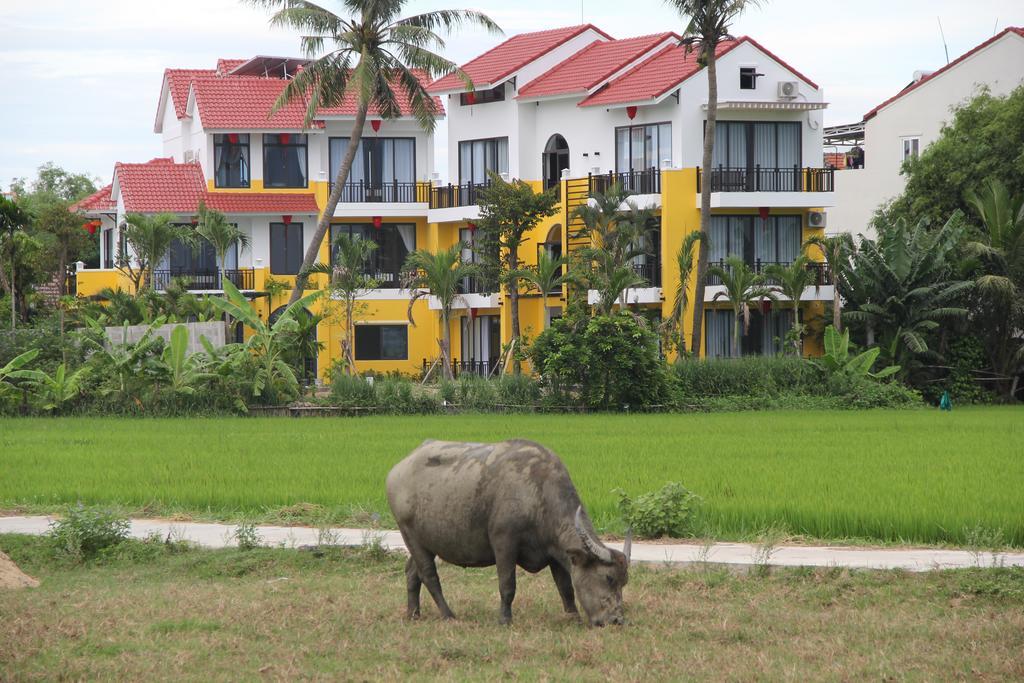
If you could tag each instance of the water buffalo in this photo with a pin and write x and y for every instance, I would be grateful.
(504, 504)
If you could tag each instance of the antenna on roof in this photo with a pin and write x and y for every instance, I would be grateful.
(995, 26)
(943, 34)
(581, 10)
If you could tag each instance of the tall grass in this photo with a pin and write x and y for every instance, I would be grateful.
(919, 476)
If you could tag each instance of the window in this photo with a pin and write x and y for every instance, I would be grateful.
(748, 78)
(231, 160)
(378, 164)
(394, 243)
(775, 240)
(478, 157)
(911, 148)
(108, 248)
(284, 160)
(765, 336)
(382, 342)
(495, 94)
(638, 148)
(762, 156)
(285, 248)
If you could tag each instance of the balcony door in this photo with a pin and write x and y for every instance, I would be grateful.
(759, 156)
(383, 170)
(554, 160)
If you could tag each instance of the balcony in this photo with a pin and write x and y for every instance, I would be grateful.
(455, 196)
(650, 271)
(395, 192)
(204, 280)
(753, 187)
(823, 276)
(481, 368)
(646, 181)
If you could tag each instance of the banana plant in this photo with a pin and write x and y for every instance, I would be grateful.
(54, 392)
(266, 342)
(182, 369)
(125, 360)
(837, 357)
(13, 369)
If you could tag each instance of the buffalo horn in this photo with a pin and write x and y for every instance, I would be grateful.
(593, 546)
(627, 545)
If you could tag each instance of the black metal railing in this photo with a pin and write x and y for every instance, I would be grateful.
(481, 368)
(452, 196)
(243, 278)
(385, 279)
(645, 181)
(650, 271)
(393, 193)
(477, 285)
(823, 276)
(761, 179)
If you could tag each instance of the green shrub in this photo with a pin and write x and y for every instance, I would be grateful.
(670, 511)
(353, 391)
(82, 533)
(750, 376)
(518, 391)
(397, 396)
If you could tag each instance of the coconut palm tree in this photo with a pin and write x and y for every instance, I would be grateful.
(222, 235)
(673, 324)
(548, 275)
(791, 281)
(708, 23)
(837, 250)
(371, 57)
(744, 290)
(439, 275)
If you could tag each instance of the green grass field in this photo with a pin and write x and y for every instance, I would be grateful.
(913, 476)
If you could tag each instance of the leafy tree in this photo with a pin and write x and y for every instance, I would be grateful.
(673, 324)
(999, 249)
(12, 219)
(902, 287)
(707, 26)
(301, 344)
(837, 250)
(438, 275)
(150, 238)
(744, 290)
(370, 59)
(982, 142)
(547, 276)
(214, 227)
(53, 182)
(63, 228)
(791, 281)
(508, 212)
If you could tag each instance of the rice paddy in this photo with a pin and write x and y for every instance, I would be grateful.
(870, 476)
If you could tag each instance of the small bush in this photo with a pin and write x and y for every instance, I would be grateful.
(247, 536)
(397, 396)
(670, 511)
(752, 376)
(519, 391)
(352, 391)
(84, 532)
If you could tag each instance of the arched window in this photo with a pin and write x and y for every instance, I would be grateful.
(554, 160)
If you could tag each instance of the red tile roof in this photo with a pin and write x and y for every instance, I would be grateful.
(1018, 30)
(98, 202)
(161, 185)
(226, 66)
(505, 59)
(666, 71)
(592, 65)
(178, 81)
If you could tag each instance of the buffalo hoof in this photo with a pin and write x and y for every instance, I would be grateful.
(413, 616)
(505, 621)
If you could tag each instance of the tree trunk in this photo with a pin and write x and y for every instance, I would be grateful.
(796, 326)
(333, 198)
(837, 306)
(350, 333)
(513, 301)
(446, 336)
(736, 334)
(705, 200)
(62, 270)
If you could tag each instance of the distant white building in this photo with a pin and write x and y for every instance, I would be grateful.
(905, 124)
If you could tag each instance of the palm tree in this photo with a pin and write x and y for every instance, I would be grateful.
(12, 217)
(349, 281)
(439, 275)
(1000, 251)
(150, 237)
(222, 235)
(836, 250)
(708, 24)
(791, 281)
(744, 289)
(372, 54)
(548, 275)
(673, 324)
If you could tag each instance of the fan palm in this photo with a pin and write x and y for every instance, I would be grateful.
(837, 250)
(791, 281)
(439, 275)
(708, 23)
(673, 324)
(372, 58)
(744, 290)
(546, 277)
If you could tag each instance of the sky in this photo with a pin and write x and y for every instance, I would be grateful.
(80, 79)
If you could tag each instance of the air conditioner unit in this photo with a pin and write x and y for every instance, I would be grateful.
(816, 219)
(189, 155)
(788, 90)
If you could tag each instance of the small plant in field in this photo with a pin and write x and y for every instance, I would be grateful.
(767, 543)
(84, 532)
(669, 511)
(980, 539)
(372, 547)
(247, 536)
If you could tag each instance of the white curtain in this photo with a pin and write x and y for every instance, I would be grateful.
(403, 169)
(338, 147)
(622, 150)
(718, 336)
(774, 327)
(408, 235)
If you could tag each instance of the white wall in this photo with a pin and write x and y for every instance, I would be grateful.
(920, 113)
(171, 131)
(489, 120)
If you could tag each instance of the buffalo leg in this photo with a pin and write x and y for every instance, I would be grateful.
(413, 583)
(506, 564)
(563, 581)
(428, 575)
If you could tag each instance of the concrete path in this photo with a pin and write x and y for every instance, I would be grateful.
(738, 554)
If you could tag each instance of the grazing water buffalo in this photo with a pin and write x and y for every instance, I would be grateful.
(505, 504)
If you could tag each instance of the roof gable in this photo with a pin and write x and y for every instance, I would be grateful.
(503, 60)
(1009, 31)
(99, 201)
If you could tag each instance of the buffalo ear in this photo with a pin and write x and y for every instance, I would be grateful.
(579, 558)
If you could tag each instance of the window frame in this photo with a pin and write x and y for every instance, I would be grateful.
(247, 157)
(332, 171)
(302, 238)
(749, 247)
(749, 72)
(379, 328)
(495, 94)
(494, 140)
(914, 141)
(749, 139)
(304, 145)
(108, 248)
(629, 136)
(367, 231)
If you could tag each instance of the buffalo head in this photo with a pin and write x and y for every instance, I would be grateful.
(598, 575)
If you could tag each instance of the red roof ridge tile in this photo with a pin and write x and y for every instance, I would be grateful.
(98, 201)
(1019, 30)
